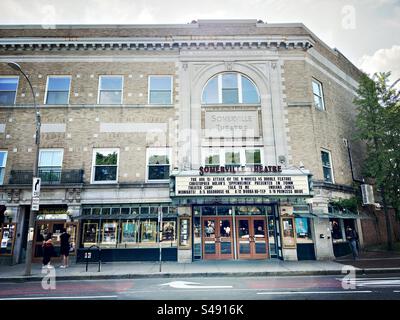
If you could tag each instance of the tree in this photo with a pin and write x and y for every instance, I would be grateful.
(378, 125)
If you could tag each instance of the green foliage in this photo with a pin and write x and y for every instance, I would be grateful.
(108, 159)
(341, 204)
(378, 124)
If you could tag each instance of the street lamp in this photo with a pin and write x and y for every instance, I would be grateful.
(28, 259)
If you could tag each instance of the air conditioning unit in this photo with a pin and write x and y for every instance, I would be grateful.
(367, 192)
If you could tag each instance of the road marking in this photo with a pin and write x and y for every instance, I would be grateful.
(191, 285)
(47, 298)
(311, 292)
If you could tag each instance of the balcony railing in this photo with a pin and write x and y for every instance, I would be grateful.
(48, 176)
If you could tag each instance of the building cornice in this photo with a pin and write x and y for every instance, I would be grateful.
(186, 42)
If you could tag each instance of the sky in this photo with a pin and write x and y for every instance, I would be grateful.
(366, 31)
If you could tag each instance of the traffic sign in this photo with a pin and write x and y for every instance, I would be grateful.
(35, 193)
(36, 187)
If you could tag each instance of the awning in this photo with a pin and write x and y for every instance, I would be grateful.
(342, 215)
(304, 215)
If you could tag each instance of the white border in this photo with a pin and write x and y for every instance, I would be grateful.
(319, 83)
(51, 149)
(122, 89)
(154, 151)
(331, 163)
(149, 88)
(16, 89)
(5, 165)
(92, 181)
(47, 84)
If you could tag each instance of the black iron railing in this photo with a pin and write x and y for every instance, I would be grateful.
(48, 176)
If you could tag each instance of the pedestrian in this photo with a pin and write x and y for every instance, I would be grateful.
(352, 237)
(48, 250)
(64, 247)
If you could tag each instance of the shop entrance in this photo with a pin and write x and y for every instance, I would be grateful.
(217, 237)
(55, 228)
(252, 239)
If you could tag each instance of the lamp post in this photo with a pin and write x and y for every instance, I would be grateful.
(28, 259)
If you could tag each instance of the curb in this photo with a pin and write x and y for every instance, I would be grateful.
(22, 279)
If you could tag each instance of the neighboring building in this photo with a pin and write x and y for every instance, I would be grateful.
(235, 130)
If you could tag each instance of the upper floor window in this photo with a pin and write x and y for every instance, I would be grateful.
(160, 89)
(8, 90)
(3, 161)
(158, 164)
(327, 166)
(58, 88)
(105, 165)
(213, 157)
(230, 88)
(50, 164)
(318, 95)
(110, 90)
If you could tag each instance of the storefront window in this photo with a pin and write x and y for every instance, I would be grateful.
(289, 240)
(90, 231)
(168, 231)
(7, 236)
(209, 211)
(224, 210)
(303, 230)
(249, 210)
(130, 232)
(148, 231)
(109, 233)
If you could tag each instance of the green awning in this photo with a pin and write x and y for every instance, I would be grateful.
(304, 215)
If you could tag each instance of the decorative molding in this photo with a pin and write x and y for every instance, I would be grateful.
(63, 44)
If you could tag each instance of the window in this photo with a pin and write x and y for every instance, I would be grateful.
(3, 161)
(211, 158)
(327, 166)
(336, 228)
(230, 88)
(253, 157)
(158, 163)
(8, 90)
(50, 163)
(232, 157)
(57, 91)
(318, 95)
(160, 89)
(110, 90)
(105, 166)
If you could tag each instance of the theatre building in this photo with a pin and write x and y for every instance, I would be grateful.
(214, 139)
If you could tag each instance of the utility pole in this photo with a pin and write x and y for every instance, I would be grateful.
(28, 259)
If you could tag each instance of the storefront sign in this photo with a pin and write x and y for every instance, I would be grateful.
(242, 185)
(237, 123)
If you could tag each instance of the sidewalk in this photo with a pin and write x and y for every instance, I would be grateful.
(373, 260)
(121, 270)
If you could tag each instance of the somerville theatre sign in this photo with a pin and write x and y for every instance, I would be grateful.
(226, 181)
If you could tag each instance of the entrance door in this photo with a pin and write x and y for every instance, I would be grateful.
(55, 227)
(217, 238)
(252, 240)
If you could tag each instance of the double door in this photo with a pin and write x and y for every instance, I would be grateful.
(217, 238)
(252, 239)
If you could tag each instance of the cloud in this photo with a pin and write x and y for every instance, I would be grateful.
(383, 60)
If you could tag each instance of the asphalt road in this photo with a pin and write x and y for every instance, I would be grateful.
(381, 287)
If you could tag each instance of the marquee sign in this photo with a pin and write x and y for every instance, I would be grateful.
(276, 185)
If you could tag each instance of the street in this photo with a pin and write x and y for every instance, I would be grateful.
(381, 287)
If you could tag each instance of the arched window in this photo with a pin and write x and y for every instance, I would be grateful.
(230, 88)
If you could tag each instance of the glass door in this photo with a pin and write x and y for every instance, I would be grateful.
(259, 239)
(243, 238)
(224, 238)
(209, 238)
